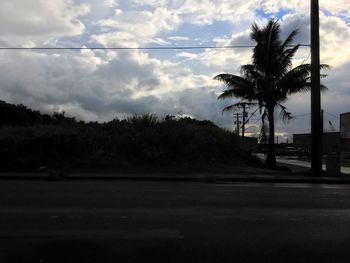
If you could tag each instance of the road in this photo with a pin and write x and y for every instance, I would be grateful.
(139, 221)
(301, 163)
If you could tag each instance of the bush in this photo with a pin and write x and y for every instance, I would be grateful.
(135, 141)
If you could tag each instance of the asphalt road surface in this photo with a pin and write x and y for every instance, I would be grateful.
(296, 162)
(138, 221)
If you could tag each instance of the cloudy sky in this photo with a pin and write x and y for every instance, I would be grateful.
(100, 85)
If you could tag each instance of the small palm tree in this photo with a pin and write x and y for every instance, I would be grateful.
(269, 80)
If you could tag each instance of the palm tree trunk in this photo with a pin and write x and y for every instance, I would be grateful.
(271, 155)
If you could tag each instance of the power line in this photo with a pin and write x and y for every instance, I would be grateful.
(256, 121)
(333, 115)
(136, 48)
(301, 115)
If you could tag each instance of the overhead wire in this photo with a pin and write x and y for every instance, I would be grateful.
(301, 115)
(136, 48)
(331, 114)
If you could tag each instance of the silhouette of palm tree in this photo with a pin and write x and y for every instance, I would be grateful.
(269, 80)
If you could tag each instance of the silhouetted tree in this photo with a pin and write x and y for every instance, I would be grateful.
(269, 79)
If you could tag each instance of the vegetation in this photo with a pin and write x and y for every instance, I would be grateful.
(29, 140)
(19, 115)
(269, 80)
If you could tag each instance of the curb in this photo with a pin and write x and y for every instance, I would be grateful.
(204, 178)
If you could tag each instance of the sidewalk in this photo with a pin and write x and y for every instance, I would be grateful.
(306, 164)
(252, 175)
(244, 173)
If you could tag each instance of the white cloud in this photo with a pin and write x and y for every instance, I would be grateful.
(43, 80)
(332, 6)
(39, 21)
(335, 41)
(205, 12)
(111, 3)
(178, 38)
(136, 27)
(99, 85)
(188, 55)
(334, 36)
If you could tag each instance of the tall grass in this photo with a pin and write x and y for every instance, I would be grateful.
(140, 140)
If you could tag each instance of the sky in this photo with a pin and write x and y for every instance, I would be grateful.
(100, 85)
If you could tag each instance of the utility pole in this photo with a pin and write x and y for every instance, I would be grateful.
(322, 119)
(243, 119)
(244, 115)
(316, 126)
(237, 122)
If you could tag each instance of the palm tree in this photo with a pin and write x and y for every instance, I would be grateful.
(269, 80)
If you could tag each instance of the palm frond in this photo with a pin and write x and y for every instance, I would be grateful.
(250, 72)
(325, 66)
(235, 106)
(233, 80)
(322, 87)
(264, 130)
(289, 39)
(272, 31)
(284, 114)
(237, 93)
(267, 49)
(227, 94)
(255, 33)
(294, 81)
(239, 87)
(297, 80)
(286, 59)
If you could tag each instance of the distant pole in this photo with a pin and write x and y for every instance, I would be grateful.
(243, 119)
(237, 123)
(322, 120)
(316, 126)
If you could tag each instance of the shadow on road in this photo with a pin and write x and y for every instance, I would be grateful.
(108, 251)
(94, 251)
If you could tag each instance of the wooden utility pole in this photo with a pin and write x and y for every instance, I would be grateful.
(243, 119)
(316, 126)
(322, 120)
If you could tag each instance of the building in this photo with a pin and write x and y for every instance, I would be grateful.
(345, 137)
(331, 142)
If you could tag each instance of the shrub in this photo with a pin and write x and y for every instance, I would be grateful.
(135, 141)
